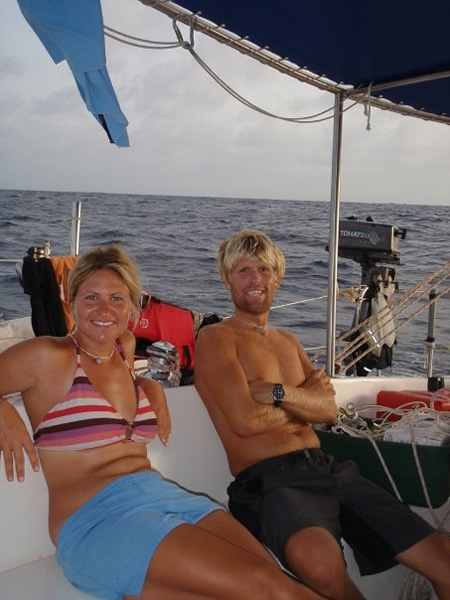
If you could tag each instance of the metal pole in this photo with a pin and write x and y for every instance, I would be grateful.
(76, 227)
(430, 341)
(334, 234)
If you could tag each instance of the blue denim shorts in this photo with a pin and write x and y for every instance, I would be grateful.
(106, 546)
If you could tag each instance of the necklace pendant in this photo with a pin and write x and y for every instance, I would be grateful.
(97, 359)
(261, 329)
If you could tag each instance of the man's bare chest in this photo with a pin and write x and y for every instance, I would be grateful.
(270, 358)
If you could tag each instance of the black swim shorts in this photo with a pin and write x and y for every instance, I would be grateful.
(308, 488)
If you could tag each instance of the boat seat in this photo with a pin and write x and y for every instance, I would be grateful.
(40, 580)
(28, 567)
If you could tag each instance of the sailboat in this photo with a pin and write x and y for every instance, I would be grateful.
(392, 56)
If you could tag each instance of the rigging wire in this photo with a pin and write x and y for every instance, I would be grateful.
(375, 327)
(348, 294)
(393, 311)
(308, 119)
(130, 40)
(396, 308)
(189, 46)
(369, 325)
(298, 302)
(361, 339)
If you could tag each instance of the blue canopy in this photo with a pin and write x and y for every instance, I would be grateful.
(395, 54)
(398, 51)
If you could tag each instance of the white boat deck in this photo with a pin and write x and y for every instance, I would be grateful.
(194, 458)
(15, 331)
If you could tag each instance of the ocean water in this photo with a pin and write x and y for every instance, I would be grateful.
(175, 239)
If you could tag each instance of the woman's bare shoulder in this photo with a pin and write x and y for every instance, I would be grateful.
(38, 346)
(26, 364)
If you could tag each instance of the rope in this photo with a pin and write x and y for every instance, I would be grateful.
(362, 338)
(298, 302)
(348, 294)
(360, 433)
(440, 347)
(368, 106)
(414, 585)
(397, 308)
(130, 40)
(395, 304)
(189, 46)
(394, 309)
(344, 293)
(410, 413)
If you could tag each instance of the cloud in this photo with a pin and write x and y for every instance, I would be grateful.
(188, 136)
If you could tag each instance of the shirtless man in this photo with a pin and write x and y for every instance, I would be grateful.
(262, 394)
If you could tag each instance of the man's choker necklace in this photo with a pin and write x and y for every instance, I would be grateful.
(259, 328)
(97, 359)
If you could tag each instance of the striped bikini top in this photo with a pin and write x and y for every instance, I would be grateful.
(84, 420)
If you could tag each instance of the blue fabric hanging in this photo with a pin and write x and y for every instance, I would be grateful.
(72, 30)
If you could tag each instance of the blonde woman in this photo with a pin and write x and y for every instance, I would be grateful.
(121, 530)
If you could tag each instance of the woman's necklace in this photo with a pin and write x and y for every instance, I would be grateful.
(259, 328)
(97, 359)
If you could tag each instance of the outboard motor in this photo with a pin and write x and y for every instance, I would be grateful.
(369, 244)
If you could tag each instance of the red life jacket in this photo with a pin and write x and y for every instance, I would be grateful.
(161, 321)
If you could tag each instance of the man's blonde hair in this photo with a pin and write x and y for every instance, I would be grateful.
(249, 243)
(115, 258)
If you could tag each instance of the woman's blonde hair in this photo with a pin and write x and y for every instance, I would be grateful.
(250, 243)
(115, 258)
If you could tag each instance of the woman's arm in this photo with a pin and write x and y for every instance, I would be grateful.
(157, 398)
(152, 389)
(15, 443)
(21, 367)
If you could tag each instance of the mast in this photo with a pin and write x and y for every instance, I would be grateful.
(334, 233)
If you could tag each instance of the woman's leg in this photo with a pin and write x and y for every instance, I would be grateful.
(217, 559)
(225, 525)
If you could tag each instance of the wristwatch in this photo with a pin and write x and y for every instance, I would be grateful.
(278, 394)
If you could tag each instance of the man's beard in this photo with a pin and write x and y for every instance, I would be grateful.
(241, 303)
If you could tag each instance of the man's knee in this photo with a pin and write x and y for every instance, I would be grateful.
(316, 557)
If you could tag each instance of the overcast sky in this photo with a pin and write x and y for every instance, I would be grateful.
(188, 137)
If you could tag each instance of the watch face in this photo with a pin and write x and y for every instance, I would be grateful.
(277, 394)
